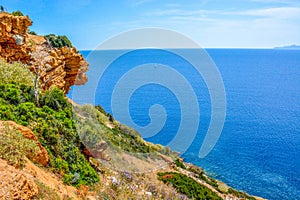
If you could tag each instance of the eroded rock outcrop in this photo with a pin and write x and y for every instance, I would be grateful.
(15, 184)
(26, 183)
(98, 152)
(62, 67)
(13, 37)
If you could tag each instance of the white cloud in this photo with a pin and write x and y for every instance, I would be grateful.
(267, 27)
(249, 28)
(276, 12)
(279, 12)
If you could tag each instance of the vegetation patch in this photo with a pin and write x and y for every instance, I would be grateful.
(15, 73)
(15, 148)
(179, 163)
(58, 41)
(91, 124)
(201, 175)
(17, 13)
(52, 121)
(239, 194)
(187, 186)
(31, 32)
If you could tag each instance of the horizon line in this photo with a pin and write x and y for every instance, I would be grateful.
(259, 48)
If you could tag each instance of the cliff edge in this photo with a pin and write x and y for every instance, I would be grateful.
(62, 67)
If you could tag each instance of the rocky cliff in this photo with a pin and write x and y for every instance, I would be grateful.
(62, 67)
(12, 34)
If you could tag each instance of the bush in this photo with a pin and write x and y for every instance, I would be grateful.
(31, 32)
(213, 183)
(17, 13)
(54, 98)
(58, 41)
(178, 163)
(14, 95)
(100, 109)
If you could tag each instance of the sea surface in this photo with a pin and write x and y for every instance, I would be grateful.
(259, 147)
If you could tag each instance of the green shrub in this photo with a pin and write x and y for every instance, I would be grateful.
(178, 163)
(201, 175)
(58, 41)
(6, 111)
(31, 32)
(212, 182)
(100, 109)
(17, 13)
(14, 95)
(54, 98)
(187, 186)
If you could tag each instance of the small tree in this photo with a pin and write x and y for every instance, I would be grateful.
(58, 41)
(39, 68)
(17, 13)
(31, 32)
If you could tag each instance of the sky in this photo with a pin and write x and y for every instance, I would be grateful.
(210, 23)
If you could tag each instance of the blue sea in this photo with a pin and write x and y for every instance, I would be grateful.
(258, 150)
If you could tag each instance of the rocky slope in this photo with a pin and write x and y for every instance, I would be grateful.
(15, 184)
(32, 182)
(62, 67)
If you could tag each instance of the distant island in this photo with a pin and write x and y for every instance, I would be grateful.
(290, 47)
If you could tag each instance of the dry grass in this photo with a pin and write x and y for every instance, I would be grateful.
(223, 187)
(134, 163)
(14, 147)
(115, 185)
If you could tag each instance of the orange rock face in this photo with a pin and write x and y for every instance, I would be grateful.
(15, 184)
(66, 68)
(12, 37)
(62, 67)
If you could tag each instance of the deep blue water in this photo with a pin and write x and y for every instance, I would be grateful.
(259, 148)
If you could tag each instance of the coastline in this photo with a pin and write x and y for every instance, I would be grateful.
(83, 148)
